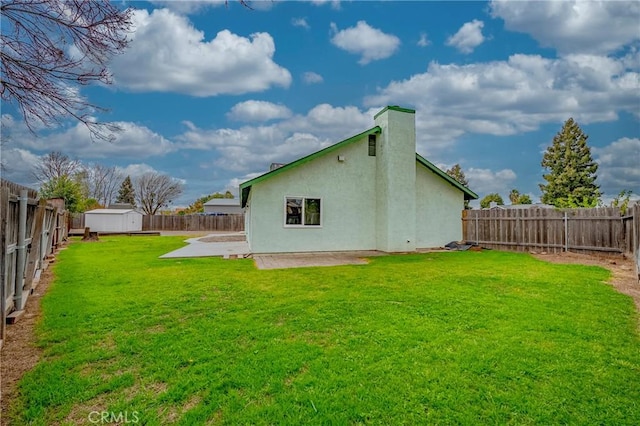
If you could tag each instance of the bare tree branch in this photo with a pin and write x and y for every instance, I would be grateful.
(153, 191)
(51, 46)
(56, 165)
(102, 182)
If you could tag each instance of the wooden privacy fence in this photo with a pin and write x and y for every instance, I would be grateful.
(30, 230)
(232, 222)
(597, 230)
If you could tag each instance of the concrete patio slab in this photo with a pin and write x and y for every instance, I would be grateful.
(210, 246)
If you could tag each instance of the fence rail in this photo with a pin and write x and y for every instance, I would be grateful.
(30, 230)
(232, 222)
(599, 230)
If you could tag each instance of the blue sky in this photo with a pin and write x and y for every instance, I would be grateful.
(212, 95)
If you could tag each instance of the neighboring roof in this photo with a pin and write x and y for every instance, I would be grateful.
(524, 206)
(111, 211)
(468, 194)
(246, 186)
(223, 202)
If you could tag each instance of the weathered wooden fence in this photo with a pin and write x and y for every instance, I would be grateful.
(232, 222)
(180, 223)
(30, 230)
(598, 230)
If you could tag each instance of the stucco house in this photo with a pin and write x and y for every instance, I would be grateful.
(371, 191)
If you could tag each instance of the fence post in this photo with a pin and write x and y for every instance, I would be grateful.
(21, 248)
(476, 235)
(4, 208)
(566, 233)
(34, 260)
(636, 238)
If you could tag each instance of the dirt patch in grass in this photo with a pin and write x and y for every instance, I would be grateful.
(223, 238)
(19, 353)
(623, 270)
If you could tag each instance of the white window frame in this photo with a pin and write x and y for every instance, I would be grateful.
(302, 225)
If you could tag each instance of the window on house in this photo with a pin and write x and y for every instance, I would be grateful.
(300, 211)
(372, 145)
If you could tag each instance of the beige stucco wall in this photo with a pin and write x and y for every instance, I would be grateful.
(347, 190)
(439, 208)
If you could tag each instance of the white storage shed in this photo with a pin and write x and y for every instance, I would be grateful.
(113, 220)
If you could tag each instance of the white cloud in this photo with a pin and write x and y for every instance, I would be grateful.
(485, 181)
(188, 6)
(253, 148)
(468, 37)
(312, 78)
(573, 26)
(258, 111)
(18, 165)
(300, 22)
(517, 95)
(132, 141)
(168, 54)
(619, 166)
(137, 169)
(371, 43)
(335, 4)
(423, 42)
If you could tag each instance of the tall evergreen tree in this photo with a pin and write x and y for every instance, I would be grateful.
(126, 193)
(572, 170)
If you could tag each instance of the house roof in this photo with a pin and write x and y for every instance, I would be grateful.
(468, 194)
(111, 211)
(245, 187)
(223, 202)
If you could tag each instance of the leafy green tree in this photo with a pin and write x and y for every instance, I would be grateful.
(198, 205)
(571, 177)
(622, 200)
(457, 173)
(227, 194)
(524, 199)
(126, 193)
(66, 188)
(486, 201)
(517, 198)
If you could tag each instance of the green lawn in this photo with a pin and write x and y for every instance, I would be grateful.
(442, 338)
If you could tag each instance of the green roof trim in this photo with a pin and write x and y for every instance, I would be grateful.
(245, 187)
(395, 108)
(468, 194)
